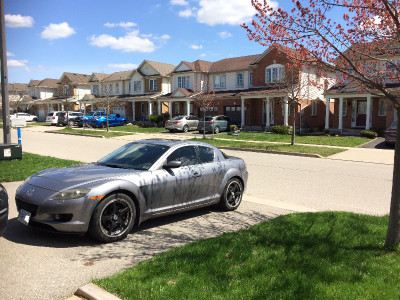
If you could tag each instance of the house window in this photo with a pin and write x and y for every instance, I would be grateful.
(274, 73)
(95, 89)
(344, 110)
(66, 90)
(219, 81)
(239, 79)
(177, 106)
(117, 88)
(153, 84)
(137, 85)
(129, 86)
(184, 82)
(110, 88)
(251, 78)
(314, 108)
(382, 108)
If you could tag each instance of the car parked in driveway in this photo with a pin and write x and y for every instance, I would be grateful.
(139, 181)
(91, 114)
(101, 121)
(65, 120)
(3, 209)
(27, 117)
(52, 117)
(214, 124)
(182, 123)
(390, 134)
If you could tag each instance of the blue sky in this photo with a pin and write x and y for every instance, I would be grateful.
(48, 37)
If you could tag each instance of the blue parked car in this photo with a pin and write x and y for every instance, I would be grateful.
(101, 121)
(91, 114)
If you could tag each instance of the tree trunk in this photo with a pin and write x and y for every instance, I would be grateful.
(393, 233)
(293, 122)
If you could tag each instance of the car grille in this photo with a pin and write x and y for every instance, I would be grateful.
(32, 208)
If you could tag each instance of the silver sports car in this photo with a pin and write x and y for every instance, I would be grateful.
(138, 181)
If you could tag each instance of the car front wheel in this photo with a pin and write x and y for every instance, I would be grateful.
(216, 130)
(71, 123)
(185, 128)
(113, 218)
(232, 195)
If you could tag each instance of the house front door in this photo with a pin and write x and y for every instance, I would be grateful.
(361, 113)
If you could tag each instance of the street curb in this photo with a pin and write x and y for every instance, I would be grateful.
(91, 291)
(272, 152)
(90, 135)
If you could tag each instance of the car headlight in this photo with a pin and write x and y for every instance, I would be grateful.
(71, 194)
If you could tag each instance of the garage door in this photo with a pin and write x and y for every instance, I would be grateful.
(120, 111)
(234, 113)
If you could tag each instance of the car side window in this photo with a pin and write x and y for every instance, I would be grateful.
(186, 155)
(206, 154)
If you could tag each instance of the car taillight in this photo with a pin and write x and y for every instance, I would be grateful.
(390, 132)
(177, 122)
(211, 122)
(54, 117)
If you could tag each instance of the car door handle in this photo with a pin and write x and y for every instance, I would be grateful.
(196, 174)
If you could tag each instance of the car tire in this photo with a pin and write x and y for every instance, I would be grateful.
(71, 123)
(185, 128)
(103, 125)
(216, 130)
(124, 123)
(113, 218)
(232, 195)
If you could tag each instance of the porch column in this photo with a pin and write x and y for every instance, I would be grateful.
(367, 126)
(159, 107)
(133, 112)
(188, 107)
(150, 108)
(340, 113)
(286, 111)
(327, 111)
(170, 108)
(267, 112)
(243, 115)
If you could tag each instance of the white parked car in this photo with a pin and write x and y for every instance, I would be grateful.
(27, 117)
(52, 117)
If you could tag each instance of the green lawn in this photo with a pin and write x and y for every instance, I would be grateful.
(343, 141)
(16, 170)
(88, 131)
(323, 151)
(135, 128)
(299, 256)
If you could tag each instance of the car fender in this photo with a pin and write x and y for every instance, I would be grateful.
(232, 172)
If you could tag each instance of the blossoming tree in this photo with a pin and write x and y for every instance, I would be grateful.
(357, 39)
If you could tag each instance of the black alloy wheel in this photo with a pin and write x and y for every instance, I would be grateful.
(232, 196)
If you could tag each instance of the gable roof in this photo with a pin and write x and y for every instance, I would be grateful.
(48, 83)
(162, 68)
(196, 66)
(98, 76)
(76, 78)
(233, 64)
(33, 82)
(123, 75)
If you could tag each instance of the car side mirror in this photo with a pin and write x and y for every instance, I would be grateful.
(172, 164)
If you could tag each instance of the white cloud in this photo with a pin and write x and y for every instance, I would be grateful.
(57, 31)
(179, 2)
(121, 24)
(224, 34)
(187, 13)
(233, 12)
(16, 63)
(16, 21)
(10, 54)
(203, 55)
(196, 47)
(123, 66)
(163, 37)
(131, 42)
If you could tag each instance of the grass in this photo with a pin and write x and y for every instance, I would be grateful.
(323, 151)
(342, 141)
(299, 256)
(103, 133)
(138, 129)
(16, 170)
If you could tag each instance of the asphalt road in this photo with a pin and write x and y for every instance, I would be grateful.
(40, 265)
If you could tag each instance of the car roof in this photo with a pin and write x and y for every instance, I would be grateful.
(171, 143)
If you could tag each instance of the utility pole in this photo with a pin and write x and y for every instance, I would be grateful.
(4, 79)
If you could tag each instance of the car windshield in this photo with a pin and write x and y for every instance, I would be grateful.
(90, 113)
(394, 125)
(138, 156)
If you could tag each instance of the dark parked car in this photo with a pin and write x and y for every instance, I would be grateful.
(136, 182)
(3, 209)
(64, 121)
(101, 121)
(390, 134)
(214, 124)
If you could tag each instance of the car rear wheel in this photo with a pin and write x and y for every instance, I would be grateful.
(232, 196)
(103, 125)
(216, 130)
(113, 218)
(71, 123)
(185, 128)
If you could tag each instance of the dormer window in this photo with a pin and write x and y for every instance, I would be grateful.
(274, 73)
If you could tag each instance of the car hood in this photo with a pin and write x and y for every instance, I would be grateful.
(63, 178)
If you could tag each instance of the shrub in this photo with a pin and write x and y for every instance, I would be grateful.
(282, 129)
(234, 128)
(368, 134)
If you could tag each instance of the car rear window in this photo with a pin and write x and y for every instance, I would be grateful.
(208, 118)
(50, 114)
(177, 118)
